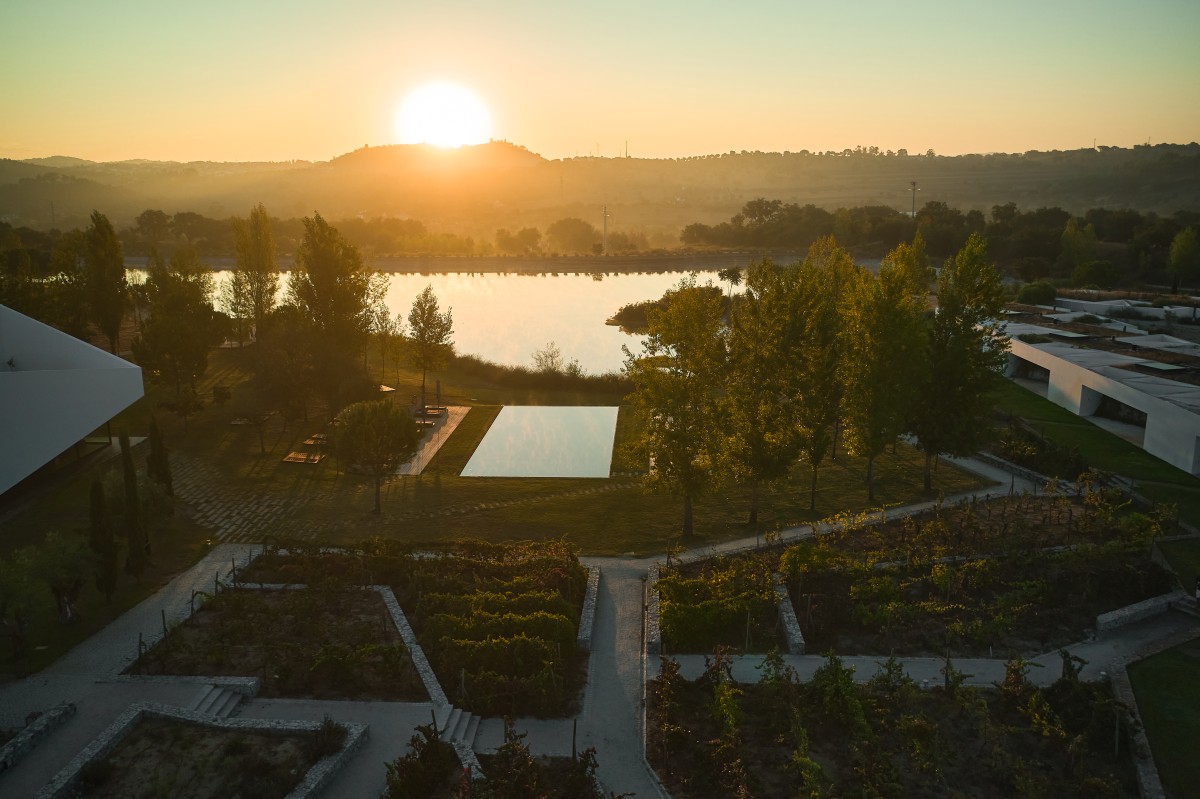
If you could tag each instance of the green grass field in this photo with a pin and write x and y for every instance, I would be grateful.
(1168, 694)
(1157, 479)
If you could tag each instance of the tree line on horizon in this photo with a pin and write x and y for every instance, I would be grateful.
(500, 185)
(1104, 248)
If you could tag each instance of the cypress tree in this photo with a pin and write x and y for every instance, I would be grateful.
(103, 543)
(157, 463)
(139, 546)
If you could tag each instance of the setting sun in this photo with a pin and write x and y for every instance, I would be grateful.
(445, 115)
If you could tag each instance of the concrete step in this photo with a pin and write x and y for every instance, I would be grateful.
(447, 729)
(228, 704)
(216, 701)
(460, 728)
(1188, 606)
(203, 701)
(472, 731)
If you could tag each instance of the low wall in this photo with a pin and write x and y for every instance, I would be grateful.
(33, 734)
(587, 617)
(1106, 622)
(653, 613)
(787, 618)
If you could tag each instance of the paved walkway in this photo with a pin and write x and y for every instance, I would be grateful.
(612, 712)
(431, 444)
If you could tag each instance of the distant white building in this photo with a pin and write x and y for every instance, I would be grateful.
(1160, 414)
(54, 391)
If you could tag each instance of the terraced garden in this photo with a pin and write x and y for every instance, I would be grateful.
(498, 622)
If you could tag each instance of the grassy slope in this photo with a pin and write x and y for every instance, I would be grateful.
(1168, 694)
(1157, 479)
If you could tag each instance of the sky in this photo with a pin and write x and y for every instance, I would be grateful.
(270, 80)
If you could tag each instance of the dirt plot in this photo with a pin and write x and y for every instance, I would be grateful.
(319, 643)
(165, 758)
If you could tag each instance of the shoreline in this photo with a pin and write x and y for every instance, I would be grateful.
(566, 264)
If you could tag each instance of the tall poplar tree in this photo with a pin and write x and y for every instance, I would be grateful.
(759, 380)
(104, 278)
(821, 284)
(881, 360)
(429, 332)
(965, 348)
(102, 542)
(256, 277)
(676, 381)
(135, 532)
(334, 294)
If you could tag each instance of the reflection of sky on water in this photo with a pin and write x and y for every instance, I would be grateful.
(506, 318)
(543, 441)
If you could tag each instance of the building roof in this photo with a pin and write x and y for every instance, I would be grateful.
(54, 391)
(1118, 366)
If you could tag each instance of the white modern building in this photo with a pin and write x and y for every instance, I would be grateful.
(54, 391)
(1085, 380)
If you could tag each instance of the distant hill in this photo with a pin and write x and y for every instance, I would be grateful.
(475, 190)
(58, 161)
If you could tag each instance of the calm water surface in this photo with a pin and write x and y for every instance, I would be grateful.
(536, 441)
(506, 318)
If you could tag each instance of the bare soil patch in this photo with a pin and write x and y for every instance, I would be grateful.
(165, 758)
(321, 643)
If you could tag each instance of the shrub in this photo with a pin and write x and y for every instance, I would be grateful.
(327, 740)
(1038, 293)
(427, 766)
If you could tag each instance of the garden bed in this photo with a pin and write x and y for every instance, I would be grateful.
(329, 642)
(712, 738)
(498, 622)
(161, 757)
(169, 757)
(987, 580)
(728, 601)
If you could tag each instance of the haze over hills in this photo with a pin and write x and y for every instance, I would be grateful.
(476, 189)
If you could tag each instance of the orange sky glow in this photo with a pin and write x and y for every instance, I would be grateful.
(304, 80)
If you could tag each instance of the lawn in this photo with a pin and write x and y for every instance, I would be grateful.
(1157, 480)
(602, 516)
(1168, 693)
(1184, 557)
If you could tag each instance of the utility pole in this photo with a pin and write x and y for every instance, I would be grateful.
(914, 191)
(605, 210)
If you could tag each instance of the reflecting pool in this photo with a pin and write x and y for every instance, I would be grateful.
(544, 441)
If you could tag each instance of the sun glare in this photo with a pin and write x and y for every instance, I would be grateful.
(445, 115)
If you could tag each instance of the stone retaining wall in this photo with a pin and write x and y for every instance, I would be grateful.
(33, 734)
(787, 618)
(653, 613)
(583, 640)
(1106, 622)
(420, 662)
(314, 781)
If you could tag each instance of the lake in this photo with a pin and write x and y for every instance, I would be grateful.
(505, 318)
